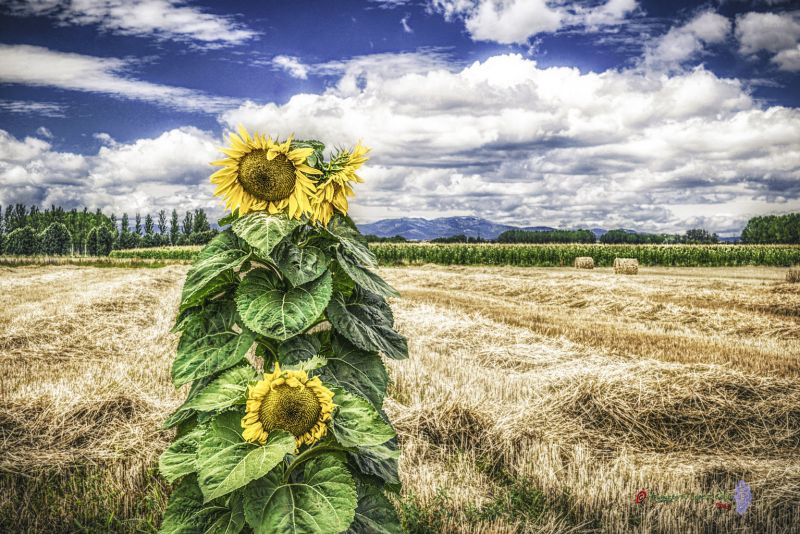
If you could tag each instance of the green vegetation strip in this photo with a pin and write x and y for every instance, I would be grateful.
(85, 261)
(559, 255)
(550, 255)
(186, 253)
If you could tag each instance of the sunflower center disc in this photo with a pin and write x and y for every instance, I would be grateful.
(295, 409)
(265, 179)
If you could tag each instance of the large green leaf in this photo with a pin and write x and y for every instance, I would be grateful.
(378, 460)
(277, 312)
(209, 343)
(364, 277)
(357, 423)
(213, 271)
(229, 218)
(357, 371)
(367, 325)
(299, 348)
(342, 282)
(227, 389)
(300, 265)
(179, 458)
(226, 462)
(232, 521)
(351, 241)
(263, 231)
(323, 502)
(186, 513)
(374, 514)
(181, 414)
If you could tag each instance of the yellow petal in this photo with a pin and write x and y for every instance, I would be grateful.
(243, 133)
(307, 169)
(227, 162)
(232, 152)
(299, 155)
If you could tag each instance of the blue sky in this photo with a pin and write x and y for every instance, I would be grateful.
(653, 115)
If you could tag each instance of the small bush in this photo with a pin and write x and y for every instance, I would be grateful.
(99, 241)
(56, 240)
(91, 242)
(201, 238)
(105, 241)
(22, 242)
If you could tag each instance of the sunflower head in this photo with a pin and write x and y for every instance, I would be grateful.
(262, 174)
(333, 190)
(290, 401)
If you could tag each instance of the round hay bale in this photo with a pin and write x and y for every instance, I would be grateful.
(584, 262)
(793, 274)
(626, 266)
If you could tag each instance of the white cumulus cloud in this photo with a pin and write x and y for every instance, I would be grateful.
(687, 41)
(511, 141)
(161, 19)
(168, 171)
(775, 33)
(292, 65)
(40, 66)
(503, 138)
(516, 21)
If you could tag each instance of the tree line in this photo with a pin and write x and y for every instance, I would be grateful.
(695, 236)
(54, 231)
(548, 236)
(616, 237)
(773, 229)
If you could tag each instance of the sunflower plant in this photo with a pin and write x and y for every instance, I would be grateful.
(283, 328)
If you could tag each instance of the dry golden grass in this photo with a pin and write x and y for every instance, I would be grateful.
(589, 387)
(533, 400)
(793, 274)
(84, 356)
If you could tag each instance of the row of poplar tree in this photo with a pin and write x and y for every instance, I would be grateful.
(29, 230)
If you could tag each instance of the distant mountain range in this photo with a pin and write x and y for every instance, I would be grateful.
(424, 229)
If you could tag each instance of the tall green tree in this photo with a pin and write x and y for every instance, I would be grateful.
(138, 224)
(162, 222)
(148, 225)
(701, 236)
(19, 216)
(8, 220)
(174, 229)
(200, 223)
(188, 224)
(773, 229)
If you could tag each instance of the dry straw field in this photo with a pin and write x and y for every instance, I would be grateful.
(534, 400)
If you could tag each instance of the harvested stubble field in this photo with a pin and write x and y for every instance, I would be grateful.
(533, 399)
